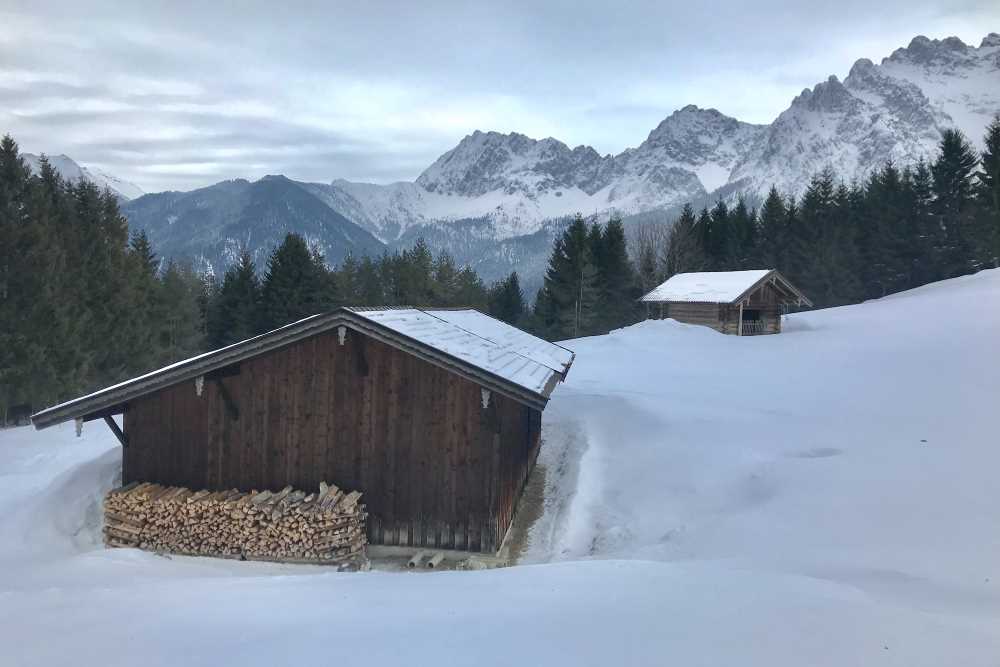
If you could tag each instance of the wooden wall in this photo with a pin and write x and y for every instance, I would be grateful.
(435, 467)
(705, 314)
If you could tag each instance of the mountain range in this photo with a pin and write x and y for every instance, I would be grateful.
(496, 200)
(74, 173)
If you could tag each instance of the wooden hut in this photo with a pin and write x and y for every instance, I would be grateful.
(742, 303)
(434, 415)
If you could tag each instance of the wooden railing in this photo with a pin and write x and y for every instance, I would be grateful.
(753, 327)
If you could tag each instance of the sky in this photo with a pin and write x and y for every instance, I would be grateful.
(179, 95)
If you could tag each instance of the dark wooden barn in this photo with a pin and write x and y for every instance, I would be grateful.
(434, 415)
(741, 303)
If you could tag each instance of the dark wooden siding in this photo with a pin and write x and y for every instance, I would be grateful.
(436, 468)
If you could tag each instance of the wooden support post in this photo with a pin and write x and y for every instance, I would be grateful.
(740, 332)
(113, 425)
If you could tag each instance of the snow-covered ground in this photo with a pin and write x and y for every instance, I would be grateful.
(823, 497)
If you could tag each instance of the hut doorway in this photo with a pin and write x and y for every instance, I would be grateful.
(752, 322)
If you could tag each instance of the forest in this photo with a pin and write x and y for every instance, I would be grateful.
(84, 304)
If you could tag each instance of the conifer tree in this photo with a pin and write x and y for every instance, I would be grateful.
(293, 286)
(618, 287)
(953, 184)
(684, 253)
(742, 236)
(506, 300)
(180, 330)
(989, 191)
(571, 284)
(771, 231)
(234, 313)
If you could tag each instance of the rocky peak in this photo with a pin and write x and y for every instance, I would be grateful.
(991, 40)
(830, 95)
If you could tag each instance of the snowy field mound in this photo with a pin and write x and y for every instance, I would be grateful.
(826, 496)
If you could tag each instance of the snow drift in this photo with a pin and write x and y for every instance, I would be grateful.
(826, 496)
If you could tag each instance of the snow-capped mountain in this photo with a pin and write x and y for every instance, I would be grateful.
(895, 110)
(74, 172)
(517, 182)
(496, 200)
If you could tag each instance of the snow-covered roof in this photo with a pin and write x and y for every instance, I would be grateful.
(717, 286)
(480, 340)
(495, 354)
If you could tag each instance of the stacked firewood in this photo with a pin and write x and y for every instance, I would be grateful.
(289, 526)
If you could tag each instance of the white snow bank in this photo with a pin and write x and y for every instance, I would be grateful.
(827, 496)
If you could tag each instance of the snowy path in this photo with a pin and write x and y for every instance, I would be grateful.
(823, 497)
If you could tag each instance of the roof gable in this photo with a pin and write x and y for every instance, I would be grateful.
(489, 352)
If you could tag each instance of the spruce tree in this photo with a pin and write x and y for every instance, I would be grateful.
(989, 191)
(953, 184)
(506, 300)
(181, 333)
(618, 287)
(293, 287)
(571, 284)
(771, 231)
(234, 312)
(684, 252)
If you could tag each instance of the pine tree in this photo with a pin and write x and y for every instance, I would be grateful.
(618, 287)
(740, 246)
(770, 252)
(684, 252)
(346, 277)
(953, 184)
(294, 285)
(234, 312)
(180, 329)
(471, 292)
(989, 192)
(444, 285)
(506, 300)
(720, 244)
(571, 283)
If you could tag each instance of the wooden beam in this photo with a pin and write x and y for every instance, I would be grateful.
(113, 425)
(227, 399)
(741, 320)
(224, 372)
(104, 414)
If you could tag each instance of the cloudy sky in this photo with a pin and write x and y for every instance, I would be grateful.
(176, 95)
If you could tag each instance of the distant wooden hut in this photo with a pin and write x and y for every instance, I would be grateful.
(434, 415)
(742, 303)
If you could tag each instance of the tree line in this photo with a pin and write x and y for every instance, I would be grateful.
(84, 304)
(841, 244)
(80, 305)
(296, 283)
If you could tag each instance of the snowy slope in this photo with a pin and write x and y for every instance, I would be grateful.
(73, 172)
(826, 496)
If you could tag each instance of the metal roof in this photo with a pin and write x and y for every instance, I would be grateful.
(721, 287)
(492, 353)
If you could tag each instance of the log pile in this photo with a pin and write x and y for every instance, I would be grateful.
(327, 527)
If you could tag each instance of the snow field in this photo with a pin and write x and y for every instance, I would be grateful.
(826, 496)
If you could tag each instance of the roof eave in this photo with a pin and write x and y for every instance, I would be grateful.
(116, 397)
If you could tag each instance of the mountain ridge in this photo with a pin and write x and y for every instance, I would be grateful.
(513, 186)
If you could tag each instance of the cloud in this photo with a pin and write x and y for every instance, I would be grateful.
(178, 94)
